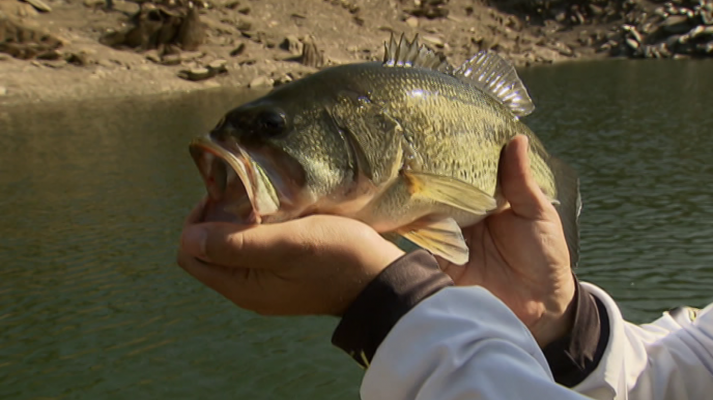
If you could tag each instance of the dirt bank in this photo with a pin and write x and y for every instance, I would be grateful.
(61, 49)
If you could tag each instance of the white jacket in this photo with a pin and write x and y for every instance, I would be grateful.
(464, 343)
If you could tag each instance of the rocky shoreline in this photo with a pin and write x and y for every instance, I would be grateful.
(54, 50)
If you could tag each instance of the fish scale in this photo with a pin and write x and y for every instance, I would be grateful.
(410, 146)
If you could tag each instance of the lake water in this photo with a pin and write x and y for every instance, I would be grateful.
(92, 197)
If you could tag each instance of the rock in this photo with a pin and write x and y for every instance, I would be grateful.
(14, 8)
(218, 66)
(706, 47)
(191, 34)
(195, 74)
(430, 9)
(675, 24)
(434, 40)
(171, 59)
(707, 15)
(311, 55)
(636, 35)
(238, 50)
(292, 44)
(412, 22)
(126, 7)
(190, 55)
(261, 82)
(561, 16)
(249, 61)
(79, 59)
(39, 5)
(596, 10)
(244, 24)
(648, 27)
(108, 64)
(3, 91)
(94, 3)
(24, 40)
(153, 56)
(287, 78)
(231, 4)
(55, 63)
(663, 50)
(578, 18)
(632, 43)
(49, 55)
(159, 25)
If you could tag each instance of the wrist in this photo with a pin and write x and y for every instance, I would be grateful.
(557, 320)
(371, 262)
(573, 357)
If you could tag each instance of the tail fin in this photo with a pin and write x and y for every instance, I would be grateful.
(567, 186)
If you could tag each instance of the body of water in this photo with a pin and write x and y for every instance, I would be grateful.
(92, 198)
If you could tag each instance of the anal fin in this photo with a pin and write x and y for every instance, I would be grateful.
(441, 236)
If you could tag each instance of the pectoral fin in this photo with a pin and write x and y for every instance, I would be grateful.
(442, 237)
(450, 191)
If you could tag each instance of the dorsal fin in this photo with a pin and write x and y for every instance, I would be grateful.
(497, 77)
(403, 53)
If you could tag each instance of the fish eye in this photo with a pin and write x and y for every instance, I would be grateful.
(271, 123)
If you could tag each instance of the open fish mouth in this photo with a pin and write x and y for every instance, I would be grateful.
(238, 189)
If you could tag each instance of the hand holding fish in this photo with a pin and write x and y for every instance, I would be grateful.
(315, 265)
(520, 254)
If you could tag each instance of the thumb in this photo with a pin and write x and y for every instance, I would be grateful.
(517, 183)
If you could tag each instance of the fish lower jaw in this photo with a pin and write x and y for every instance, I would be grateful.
(229, 200)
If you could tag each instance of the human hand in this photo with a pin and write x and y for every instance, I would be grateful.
(520, 254)
(315, 265)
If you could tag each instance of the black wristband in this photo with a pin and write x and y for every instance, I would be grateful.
(392, 294)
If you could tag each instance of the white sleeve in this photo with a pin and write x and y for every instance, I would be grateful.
(669, 359)
(461, 343)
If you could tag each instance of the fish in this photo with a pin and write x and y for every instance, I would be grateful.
(410, 146)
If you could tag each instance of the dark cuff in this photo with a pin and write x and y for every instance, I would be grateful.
(573, 357)
(402, 285)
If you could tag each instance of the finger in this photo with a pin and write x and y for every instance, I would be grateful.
(200, 270)
(235, 245)
(232, 283)
(197, 213)
(518, 184)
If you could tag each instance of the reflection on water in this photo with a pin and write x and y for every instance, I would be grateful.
(92, 196)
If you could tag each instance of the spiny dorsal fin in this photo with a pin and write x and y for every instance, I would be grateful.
(403, 53)
(497, 77)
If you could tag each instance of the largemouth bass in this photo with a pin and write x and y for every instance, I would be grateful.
(410, 146)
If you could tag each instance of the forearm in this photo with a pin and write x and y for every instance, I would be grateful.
(430, 336)
(416, 276)
(461, 343)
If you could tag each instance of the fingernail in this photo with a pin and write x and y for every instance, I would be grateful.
(194, 241)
